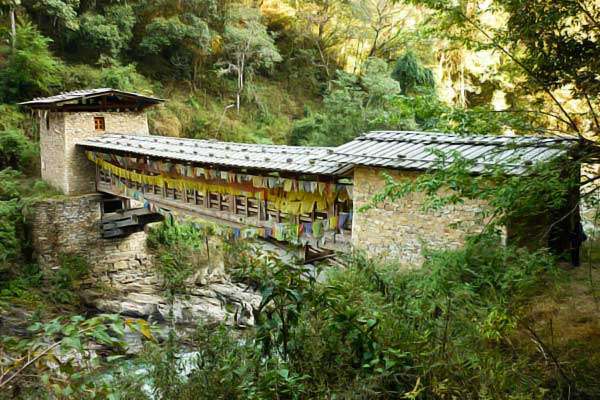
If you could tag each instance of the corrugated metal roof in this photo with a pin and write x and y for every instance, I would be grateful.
(413, 150)
(297, 159)
(80, 94)
(387, 149)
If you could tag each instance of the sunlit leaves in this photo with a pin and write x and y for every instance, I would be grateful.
(60, 352)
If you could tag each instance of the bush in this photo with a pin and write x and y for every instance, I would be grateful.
(379, 332)
(123, 77)
(31, 70)
(12, 118)
(66, 278)
(80, 76)
(17, 151)
(12, 239)
(176, 246)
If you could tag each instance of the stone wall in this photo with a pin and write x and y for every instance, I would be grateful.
(64, 226)
(400, 230)
(52, 148)
(64, 165)
(122, 275)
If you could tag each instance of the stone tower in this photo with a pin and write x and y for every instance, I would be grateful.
(68, 118)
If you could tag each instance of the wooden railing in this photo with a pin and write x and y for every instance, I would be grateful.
(235, 209)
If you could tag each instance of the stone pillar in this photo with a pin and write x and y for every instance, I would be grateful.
(64, 226)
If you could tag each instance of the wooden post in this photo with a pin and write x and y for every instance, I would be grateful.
(331, 210)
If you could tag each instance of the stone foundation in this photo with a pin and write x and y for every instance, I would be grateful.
(400, 230)
(123, 277)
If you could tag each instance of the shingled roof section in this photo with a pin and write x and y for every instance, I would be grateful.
(409, 150)
(88, 94)
(296, 159)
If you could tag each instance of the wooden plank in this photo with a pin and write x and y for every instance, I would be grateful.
(113, 233)
(118, 224)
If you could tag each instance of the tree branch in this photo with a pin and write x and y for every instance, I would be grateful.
(526, 69)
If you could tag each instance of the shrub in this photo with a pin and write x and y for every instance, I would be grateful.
(66, 278)
(176, 246)
(379, 332)
(17, 151)
(12, 238)
(31, 70)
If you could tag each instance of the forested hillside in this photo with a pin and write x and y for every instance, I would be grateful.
(488, 320)
(312, 72)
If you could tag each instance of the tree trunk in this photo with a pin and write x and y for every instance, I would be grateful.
(240, 84)
(13, 27)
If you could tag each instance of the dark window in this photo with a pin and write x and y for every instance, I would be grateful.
(47, 120)
(99, 123)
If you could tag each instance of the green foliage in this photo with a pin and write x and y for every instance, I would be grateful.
(183, 40)
(9, 184)
(62, 12)
(11, 233)
(411, 75)
(22, 283)
(16, 150)
(12, 228)
(110, 74)
(246, 41)
(123, 77)
(350, 108)
(65, 280)
(56, 360)
(247, 46)
(377, 331)
(108, 33)
(177, 247)
(559, 41)
(31, 70)
(11, 118)
(510, 197)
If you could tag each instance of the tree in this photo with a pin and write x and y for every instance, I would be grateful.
(248, 46)
(110, 32)
(351, 107)
(325, 23)
(184, 40)
(30, 70)
(411, 75)
(382, 27)
(554, 45)
(62, 14)
(12, 5)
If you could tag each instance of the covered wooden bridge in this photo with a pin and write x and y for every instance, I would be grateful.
(287, 193)
(290, 194)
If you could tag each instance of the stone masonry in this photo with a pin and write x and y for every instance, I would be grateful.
(401, 230)
(64, 165)
(122, 275)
